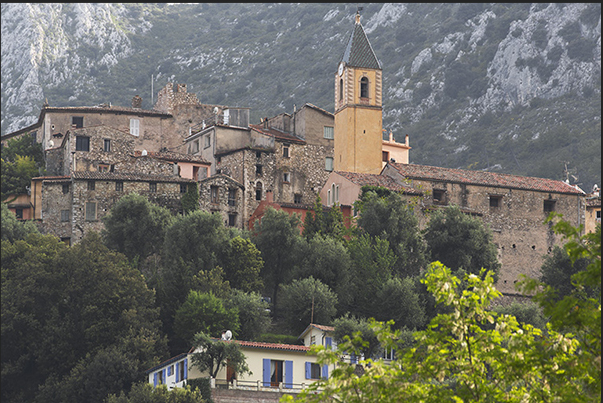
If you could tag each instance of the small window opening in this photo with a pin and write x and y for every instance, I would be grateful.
(364, 87)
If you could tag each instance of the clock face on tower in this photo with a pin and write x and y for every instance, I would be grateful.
(340, 71)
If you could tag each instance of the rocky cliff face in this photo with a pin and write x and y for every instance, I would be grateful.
(448, 68)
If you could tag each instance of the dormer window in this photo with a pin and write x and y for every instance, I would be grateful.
(364, 87)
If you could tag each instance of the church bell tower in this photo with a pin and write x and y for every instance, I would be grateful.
(358, 107)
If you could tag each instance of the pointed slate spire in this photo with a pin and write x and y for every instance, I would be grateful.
(358, 52)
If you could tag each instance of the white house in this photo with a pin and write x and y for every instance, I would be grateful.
(274, 366)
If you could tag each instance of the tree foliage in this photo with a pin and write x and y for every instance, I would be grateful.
(144, 392)
(254, 317)
(211, 355)
(393, 219)
(135, 227)
(13, 229)
(278, 239)
(243, 265)
(204, 313)
(473, 354)
(62, 318)
(307, 301)
(461, 242)
(22, 159)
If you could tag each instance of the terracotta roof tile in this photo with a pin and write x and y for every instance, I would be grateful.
(412, 171)
(272, 346)
(128, 176)
(377, 180)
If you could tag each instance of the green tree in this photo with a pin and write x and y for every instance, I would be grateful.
(398, 300)
(13, 229)
(144, 392)
(461, 242)
(22, 159)
(211, 281)
(190, 200)
(328, 260)
(243, 265)
(372, 266)
(525, 312)
(323, 221)
(61, 308)
(278, 239)
(393, 219)
(357, 332)
(134, 226)
(211, 355)
(558, 269)
(307, 301)
(254, 316)
(205, 313)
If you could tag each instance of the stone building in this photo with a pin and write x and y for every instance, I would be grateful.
(289, 155)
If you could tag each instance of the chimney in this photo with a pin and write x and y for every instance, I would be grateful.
(137, 102)
(269, 197)
(406, 140)
(391, 136)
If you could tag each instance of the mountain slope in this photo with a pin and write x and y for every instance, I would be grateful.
(508, 87)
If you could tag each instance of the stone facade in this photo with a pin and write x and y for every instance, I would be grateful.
(222, 194)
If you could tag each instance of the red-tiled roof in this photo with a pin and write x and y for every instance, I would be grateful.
(464, 176)
(377, 180)
(272, 346)
(128, 176)
(277, 134)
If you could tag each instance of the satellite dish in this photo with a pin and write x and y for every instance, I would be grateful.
(144, 152)
(51, 144)
(227, 335)
(215, 110)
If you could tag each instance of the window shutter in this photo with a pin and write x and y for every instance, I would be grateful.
(289, 374)
(155, 379)
(308, 370)
(266, 374)
(328, 342)
(185, 363)
(165, 376)
(325, 371)
(353, 358)
(177, 372)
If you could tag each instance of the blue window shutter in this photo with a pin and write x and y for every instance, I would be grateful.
(353, 358)
(328, 342)
(177, 372)
(266, 374)
(308, 370)
(155, 379)
(288, 374)
(185, 368)
(325, 371)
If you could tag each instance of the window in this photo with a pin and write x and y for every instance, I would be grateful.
(64, 215)
(214, 194)
(170, 370)
(91, 185)
(258, 169)
(206, 141)
(181, 370)
(232, 220)
(314, 370)
(285, 151)
(91, 211)
(232, 197)
(134, 127)
(153, 187)
(19, 213)
(549, 205)
(82, 143)
(286, 177)
(439, 196)
(329, 163)
(159, 378)
(495, 201)
(364, 87)
(341, 89)
(119, 186)
(66, 240)
(313, 340)
(65, 188)
(333, 195)
(276, 372)
(258, 191)
(388, 354)
(183, 187)
(328, 132)
(107, 145)
(384, 156)
(103, 168)
(77, 121)
(258, 154)
(297, 199)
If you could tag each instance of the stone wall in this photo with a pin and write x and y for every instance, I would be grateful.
(221, 205)
(219, 395)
